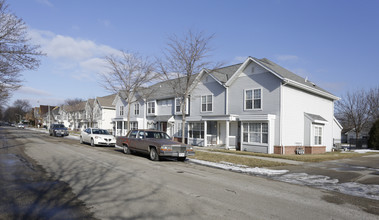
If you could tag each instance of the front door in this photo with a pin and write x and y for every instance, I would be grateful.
(212, 132)
(163, 126)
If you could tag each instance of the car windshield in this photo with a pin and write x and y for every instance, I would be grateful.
(59, 126)
(156, 135)
(99, 131)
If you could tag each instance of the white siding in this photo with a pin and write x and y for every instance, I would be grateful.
(295, 103)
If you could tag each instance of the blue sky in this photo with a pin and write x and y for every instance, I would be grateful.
(333, 43)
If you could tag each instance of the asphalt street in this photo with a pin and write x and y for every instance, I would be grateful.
(104, 183)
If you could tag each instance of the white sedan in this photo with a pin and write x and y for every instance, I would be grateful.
(97, 136)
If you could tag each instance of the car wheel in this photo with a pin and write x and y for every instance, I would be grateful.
(50, 134)
(81, 140)
(126, 149)
(181, 158)
(92, 142)
(153, 154)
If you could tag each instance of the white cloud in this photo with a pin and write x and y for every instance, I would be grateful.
(287, 58)
(59, 46)
(32, 91)
(81, 58)
(45, 2)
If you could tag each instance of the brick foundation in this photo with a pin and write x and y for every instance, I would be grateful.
(288, 150)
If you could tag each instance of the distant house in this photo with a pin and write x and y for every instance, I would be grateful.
(45, 114)
(103, 112)
(253, 106)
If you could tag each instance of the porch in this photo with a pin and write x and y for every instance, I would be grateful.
(208, 131)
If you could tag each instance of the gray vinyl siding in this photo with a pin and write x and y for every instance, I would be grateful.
(255, 77)
(165, 107)
(208, 86)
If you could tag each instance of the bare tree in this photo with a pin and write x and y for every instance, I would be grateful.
(16, 52)
(127, 76)
(354, 111)
(89, 108)
(183, 58)
(75, 107)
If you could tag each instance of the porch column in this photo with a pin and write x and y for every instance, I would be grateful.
(115, 128)
(227, 135)
(122, 127)
(205, 134)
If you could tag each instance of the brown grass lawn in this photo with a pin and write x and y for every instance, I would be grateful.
(251, 162)
(303, 158)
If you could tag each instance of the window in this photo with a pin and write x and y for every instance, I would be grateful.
(121, 110)
(253, 99)
(136, 109)
(255, 133)
(196, 130)
(178, 107)
(179, 127)
(206, 103)
(134, 125)
(178, 103)
(318, 135)
(151, 107)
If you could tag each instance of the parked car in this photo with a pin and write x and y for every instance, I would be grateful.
(155, 143)
(58, 130)
(20, 125)
(96, 136)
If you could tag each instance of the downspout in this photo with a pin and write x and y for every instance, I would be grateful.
(144, 113)
(281, 116)
(226, 100)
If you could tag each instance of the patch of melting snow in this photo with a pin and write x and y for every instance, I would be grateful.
(240, 168)
(325, 182)
(318, 181)
(365, 151)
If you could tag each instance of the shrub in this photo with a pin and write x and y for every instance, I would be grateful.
(373, 141)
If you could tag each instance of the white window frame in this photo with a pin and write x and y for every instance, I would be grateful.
(199, 128)
(249, 133)
(121, 110)
(180, 111)
(151, 110)
(318, 134)
(206, 103)
(136, 108)
(133, 125)
(252, 100)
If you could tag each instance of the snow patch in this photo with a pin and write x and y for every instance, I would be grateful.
(240, 168)
(325, 182)
(361, 151)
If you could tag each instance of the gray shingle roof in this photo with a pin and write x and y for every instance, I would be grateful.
(225, 73)
(287, 74)
(314, 117)
(165, 89)
(106, 101)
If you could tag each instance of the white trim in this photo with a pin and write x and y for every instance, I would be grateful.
(337, 122)
(206, 101)
(137, 104)
(180, 112)
(310, 89)
(314, 126)
(244, 99)
(155, 108)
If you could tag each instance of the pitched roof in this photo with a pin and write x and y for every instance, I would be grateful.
(106, 101)
(287, 74)
(225, 73)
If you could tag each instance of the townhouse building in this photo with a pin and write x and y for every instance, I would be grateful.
(103, 111)
(255, 106)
